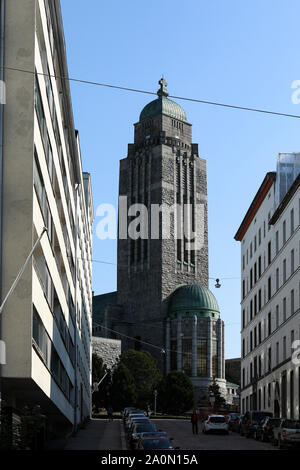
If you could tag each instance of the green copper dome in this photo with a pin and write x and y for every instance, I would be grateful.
(194, 299)
(162, 105)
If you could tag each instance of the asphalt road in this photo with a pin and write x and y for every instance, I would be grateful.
(181, 431)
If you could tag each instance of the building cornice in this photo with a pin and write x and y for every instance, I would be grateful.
(255, 205)
(285, 201)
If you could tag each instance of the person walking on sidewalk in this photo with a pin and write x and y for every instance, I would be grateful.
(194, 421)
(110, 413)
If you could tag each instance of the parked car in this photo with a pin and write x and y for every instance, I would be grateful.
(236, 425)
(215, 423)
(131, 416)
(230, 418)
(287, 434)
(264, 429)
(138, 429)
(133, 421)
(250, 421)
(128, 410)
(154, 443)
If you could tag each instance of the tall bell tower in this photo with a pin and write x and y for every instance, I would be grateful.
(162, 168)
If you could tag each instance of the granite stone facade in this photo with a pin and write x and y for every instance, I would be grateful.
(163, 169)
(108, 349)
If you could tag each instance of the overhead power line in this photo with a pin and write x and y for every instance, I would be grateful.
(126, 266)
(136, 90)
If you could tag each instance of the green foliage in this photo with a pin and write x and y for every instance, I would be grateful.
(98, 368)
(100, 398)
(123, 389)
(214, 390)
(145, 372)
(176, 393)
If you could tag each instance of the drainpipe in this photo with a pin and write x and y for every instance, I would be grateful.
(2, 43)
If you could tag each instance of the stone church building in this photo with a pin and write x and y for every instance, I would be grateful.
(163, 303)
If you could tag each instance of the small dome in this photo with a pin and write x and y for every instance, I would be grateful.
(194, 298)
(163, 105)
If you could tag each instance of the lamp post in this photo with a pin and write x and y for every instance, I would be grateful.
(155, 397)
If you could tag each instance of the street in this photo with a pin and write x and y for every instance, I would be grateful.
(181, 431)
(100, 434)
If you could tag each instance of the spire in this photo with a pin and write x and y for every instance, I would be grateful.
(162, 91)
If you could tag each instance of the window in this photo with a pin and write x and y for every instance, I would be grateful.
(269, 253)
(277, 353)
(284, 348)
(259, 266)
(284, 270)
(292, 221)
(269, 324)
(202, 358)
(284, 232)
(259, 236)
(269, 359)
(269, 288)
(292, 302)
(277, 242)
(292, 261)
(259, 333)
(292, 340)
(277, 316)
(277, 278)
(284, 309)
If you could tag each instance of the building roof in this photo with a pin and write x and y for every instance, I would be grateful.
(163, 105)
(255, 205)
(285, 200)
(194, 298)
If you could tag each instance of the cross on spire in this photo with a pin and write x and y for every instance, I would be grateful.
(162, 91)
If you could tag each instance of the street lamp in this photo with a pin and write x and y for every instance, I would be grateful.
(155, 397)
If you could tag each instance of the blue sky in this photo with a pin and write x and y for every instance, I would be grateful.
(243, 53)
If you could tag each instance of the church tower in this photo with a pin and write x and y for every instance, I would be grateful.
(162, 168)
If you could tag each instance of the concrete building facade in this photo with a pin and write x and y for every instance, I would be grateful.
(46, 324)
(270, 306)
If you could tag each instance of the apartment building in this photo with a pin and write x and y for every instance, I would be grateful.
(270, 298)
(46, 324)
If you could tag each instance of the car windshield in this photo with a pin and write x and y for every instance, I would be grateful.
(291, 424)
(161, 443)
(257, 416)
(145, 428)
(274, 421)
(217, 419)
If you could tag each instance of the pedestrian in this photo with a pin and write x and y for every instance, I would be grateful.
(148, 410)
(194, 421)
(110, 413)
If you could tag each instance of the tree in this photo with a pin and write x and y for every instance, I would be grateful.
(214, 390)
(98, 368)
(101, 397)
(176, 393)
(145, 372)
(123, 389)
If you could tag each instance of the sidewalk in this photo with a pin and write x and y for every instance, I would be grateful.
(99, 434)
